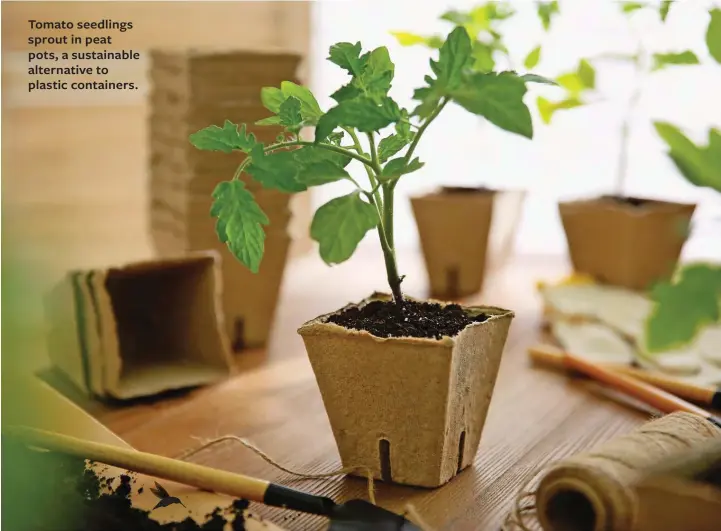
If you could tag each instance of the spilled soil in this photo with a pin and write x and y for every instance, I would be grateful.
(44, 491)
(411, 319)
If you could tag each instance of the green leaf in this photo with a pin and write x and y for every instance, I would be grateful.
(289, 114)
(271, 120)
(377, 75)
(547, 108)
(314, 154)
(348, 57)
(499, 99)
(321, 172)
(571, 82)
(532, 58)
(272, 98)
(391, 145)
(698, 164)
(277, 170)
(662, 60)
(455, 17)
(409, 39)
(664, 9)
(336, 138)
(482, 57)
(546, 11)
(630, 7)
(453, 58)
(397, 167)
(309, 108)
(239, 222)
(226, 139)
(584, 78)
(683, 307)
(346, 92)
(340, 225)
(587, 74)
(362, 113)
(713, 35)
(535, 78)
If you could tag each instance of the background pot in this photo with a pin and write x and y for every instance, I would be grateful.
(409, 409)
(622, 244)
(462, 231)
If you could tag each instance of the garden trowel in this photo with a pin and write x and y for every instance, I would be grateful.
(354, 515)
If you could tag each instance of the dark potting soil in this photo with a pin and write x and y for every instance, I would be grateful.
(411, 319)
(628, 201)
(467, 190)
(44, 491)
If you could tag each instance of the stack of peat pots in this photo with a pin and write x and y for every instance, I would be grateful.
(190, 91)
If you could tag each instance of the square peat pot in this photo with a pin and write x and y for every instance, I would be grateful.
(463, 231)
(628, 242)
(409, 409)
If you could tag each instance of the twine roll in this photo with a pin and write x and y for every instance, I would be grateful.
(593, 491)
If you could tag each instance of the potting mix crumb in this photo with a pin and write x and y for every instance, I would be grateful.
(411, 319)
(44, 491)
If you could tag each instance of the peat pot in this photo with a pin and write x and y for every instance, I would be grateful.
(626, 241)
(462, 232)
(409, 409)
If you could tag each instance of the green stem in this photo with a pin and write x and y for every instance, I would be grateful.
(374, 154)
(423, 128)
(328, 147)
(371, 178)
(241, 167)
(389, 254)
(388, 192)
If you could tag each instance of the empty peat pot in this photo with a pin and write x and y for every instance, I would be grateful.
(625, 241)
(463, 230)
(410, 409)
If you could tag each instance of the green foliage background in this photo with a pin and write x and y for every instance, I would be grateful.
(692, 300)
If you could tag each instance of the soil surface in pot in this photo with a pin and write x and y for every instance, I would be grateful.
(411, 319)
(627, 201)
(46, 491)
(467, 190)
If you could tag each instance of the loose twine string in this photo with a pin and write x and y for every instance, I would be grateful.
(410, 511)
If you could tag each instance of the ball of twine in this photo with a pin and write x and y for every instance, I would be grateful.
(593, 491)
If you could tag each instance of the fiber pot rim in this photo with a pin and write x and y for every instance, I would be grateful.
(600, 202)
(438, 193)
(319, 326)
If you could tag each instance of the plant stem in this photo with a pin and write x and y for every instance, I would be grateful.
(371, 177)
(374, 154)
(328, 147)
(388, 192)
(423, 127)
(385, 230)
(622, 171)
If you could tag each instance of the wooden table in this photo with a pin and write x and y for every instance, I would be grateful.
(536, 415)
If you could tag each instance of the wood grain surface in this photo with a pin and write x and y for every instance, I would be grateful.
(536, 415)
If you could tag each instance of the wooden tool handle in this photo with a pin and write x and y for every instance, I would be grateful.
(191, 474)
(553, 356)
(653, 396)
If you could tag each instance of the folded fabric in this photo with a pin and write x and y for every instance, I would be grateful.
(607, 323)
